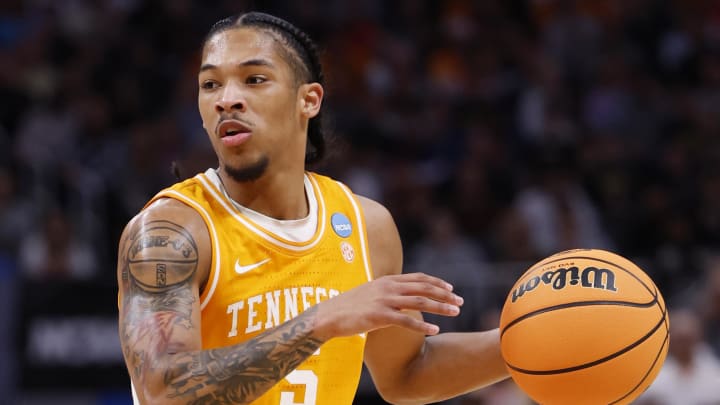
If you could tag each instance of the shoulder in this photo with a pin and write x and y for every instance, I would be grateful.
(385, 247)
(378, 220)
(383, 238)
(168, 222)
(377, 216)
(167, 210)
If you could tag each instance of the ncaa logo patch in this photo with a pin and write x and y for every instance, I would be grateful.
(341, 225)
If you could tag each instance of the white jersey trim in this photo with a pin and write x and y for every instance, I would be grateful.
(262, 232)
(295, 230)
(361, 230)
(213, 236)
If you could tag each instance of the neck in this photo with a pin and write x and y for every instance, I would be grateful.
(279, 196)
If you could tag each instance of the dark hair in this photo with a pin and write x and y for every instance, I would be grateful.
(302, 57)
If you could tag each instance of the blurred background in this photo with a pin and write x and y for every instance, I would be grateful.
(526, 127)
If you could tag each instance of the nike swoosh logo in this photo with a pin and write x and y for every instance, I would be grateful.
(240, 269)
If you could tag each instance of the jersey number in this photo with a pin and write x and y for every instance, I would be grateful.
(301, 377)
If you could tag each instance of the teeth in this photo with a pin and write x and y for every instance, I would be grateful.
(230, 129)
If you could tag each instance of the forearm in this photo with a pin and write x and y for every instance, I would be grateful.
(452, 364)
(235, 374)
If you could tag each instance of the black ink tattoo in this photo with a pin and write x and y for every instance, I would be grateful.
(160, 273)
(161, 255)
(241, 373)
(158, 301)
(157, 294)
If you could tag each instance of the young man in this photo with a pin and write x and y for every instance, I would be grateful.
(260, 282)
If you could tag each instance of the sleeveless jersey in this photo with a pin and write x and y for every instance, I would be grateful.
(259, 280)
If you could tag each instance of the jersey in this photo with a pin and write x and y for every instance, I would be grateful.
(259, 279)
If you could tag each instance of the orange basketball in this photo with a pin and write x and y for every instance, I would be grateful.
(584, 327)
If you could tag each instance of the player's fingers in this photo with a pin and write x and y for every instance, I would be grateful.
(409, 322)
(423, 304)
(425, 278)
(429, 291)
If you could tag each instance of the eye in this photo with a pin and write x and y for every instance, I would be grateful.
(209, 85)
(255, 80)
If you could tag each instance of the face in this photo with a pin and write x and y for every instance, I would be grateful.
(685, 334)
(251, 104)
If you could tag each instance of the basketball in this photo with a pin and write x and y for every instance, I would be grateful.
(168, 257)
(584, 326)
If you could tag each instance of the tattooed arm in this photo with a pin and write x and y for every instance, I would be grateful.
(164, 259)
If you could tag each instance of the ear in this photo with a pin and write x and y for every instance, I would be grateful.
(310, 99)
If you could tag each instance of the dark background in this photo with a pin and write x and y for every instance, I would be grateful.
(496, 132)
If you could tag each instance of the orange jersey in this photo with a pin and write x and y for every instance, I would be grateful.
(259, 280)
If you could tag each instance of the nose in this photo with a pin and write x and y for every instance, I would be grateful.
(231, 100)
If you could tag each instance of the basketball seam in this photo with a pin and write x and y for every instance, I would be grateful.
(577, 304)
(652, 366)
(164, 260)
(594, 362)
(181, 231)
(150, 285)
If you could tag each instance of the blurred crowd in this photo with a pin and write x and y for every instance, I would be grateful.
(497, 132)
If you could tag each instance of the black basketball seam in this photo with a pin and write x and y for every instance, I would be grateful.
(163, 260)
(663, 310)
(647, 373)
(184, 232)
(594, 362)
(164, 222)
(152, 286)
(576, 304)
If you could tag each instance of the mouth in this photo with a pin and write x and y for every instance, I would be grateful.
(231, 128)
(233, 132)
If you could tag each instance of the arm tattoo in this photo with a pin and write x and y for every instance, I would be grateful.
(157, 265)
(241, 373)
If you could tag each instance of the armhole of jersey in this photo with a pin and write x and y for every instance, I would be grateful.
(214, 242)
(360, 220)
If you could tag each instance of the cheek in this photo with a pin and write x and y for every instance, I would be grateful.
(207, 113)
(284, 111)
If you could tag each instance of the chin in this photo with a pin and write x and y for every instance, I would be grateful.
(248, 172)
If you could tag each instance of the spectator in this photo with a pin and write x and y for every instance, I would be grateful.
(446, 251)
(691, 373)
(17, 214)
(433, 101)
(56, 252)
(559, 213)
(709, 304)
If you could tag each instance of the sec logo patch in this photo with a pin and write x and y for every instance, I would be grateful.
(348, 253)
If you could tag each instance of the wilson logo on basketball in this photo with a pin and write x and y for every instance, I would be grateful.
(590, 277)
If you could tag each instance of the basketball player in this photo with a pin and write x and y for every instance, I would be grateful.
(260, 282)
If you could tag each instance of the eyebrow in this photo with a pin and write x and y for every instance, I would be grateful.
(250, 62)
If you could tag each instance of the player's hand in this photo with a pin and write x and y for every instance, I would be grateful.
(384, 302)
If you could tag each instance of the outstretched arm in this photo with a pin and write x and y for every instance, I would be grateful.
(406, 366)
